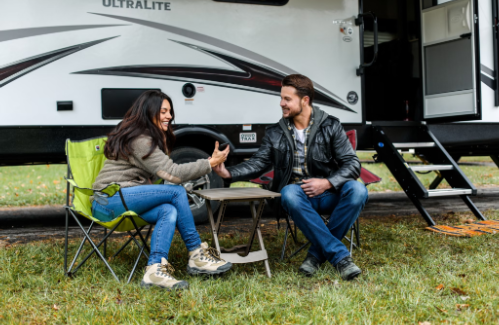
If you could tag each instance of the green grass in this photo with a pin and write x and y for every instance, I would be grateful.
(480, 176)
(32, 185)
(45, 185)
(402, 267)
(368, 155)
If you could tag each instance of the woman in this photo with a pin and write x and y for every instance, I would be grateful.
(137, 151)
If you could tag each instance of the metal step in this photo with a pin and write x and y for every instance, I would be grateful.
(412, 145)
(425, 168)
(449, 192)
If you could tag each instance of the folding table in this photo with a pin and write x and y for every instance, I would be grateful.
(240, 253)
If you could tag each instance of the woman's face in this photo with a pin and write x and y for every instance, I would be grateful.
(164, 116)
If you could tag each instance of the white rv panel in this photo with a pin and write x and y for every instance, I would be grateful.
(300, 37)
(490, 112)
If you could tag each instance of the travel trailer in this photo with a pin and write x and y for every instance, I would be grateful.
(418, 75)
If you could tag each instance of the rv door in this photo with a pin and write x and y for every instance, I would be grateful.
(450, 60)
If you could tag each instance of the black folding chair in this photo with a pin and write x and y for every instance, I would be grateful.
(354, 239)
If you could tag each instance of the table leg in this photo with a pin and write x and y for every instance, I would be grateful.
(221, 213)
(257, 217)
(256, 220)
(214, 232)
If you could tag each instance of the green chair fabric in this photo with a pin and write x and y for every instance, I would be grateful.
(86, 159)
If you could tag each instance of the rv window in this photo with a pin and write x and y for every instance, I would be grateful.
(116, 102)
(258, 2)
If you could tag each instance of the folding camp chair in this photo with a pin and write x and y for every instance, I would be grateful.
(366, 177)
(85, 159)
(354, 239)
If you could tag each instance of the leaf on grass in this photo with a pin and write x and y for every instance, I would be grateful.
(424, 323)
(119, 301)
(462, 275)
(55, 307)
(440, 287)
(17, 194)
(441, 310)
(56, 182)
(458, 291)
(469, 221)
(464, 298)
(461, 306)
(31, 181)
(38, 177)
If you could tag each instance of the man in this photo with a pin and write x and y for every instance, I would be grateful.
(315, 170)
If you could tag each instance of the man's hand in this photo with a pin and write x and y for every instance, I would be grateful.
(222, 171)
(315, 186)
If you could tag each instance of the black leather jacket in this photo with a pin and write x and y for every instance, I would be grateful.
(330, 154)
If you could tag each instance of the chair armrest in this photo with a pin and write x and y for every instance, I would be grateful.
(110, 190)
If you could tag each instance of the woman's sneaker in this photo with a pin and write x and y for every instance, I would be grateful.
(160, 275)
(206, 260)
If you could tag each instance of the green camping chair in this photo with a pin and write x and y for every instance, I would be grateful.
(85, 159)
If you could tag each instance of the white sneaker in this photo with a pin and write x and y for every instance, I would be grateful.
(206, 260)
(160, 275)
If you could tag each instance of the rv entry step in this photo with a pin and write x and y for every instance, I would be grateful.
(390, 138)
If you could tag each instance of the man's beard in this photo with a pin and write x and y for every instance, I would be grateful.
(293, 115)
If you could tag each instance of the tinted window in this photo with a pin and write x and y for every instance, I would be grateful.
(258, 2)
(116, 102)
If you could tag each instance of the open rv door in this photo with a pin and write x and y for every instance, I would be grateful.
(450, 60)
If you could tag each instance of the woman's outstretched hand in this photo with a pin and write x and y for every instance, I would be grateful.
(218, 156)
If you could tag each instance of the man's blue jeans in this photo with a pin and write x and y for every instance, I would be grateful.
(165, 206)
(344, 207)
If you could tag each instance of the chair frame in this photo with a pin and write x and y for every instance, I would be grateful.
(354, 232)
(95, 247)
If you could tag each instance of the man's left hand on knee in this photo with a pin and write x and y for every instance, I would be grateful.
(315, 186)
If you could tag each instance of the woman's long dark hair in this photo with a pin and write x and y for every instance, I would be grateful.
(140, 119)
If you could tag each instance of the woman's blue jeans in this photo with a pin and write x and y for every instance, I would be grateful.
(344, 207)
(165, 206)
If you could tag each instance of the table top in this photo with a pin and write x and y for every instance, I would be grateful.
(236, 193)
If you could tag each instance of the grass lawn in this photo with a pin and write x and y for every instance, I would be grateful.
(368, 155)
(410, 275)
(45, 184)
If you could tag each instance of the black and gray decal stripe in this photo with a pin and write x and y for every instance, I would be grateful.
(11, 34)
(487, 70)
(488, 81)
(487, 77)
(220, 44)
(14, 70)
(246, 76)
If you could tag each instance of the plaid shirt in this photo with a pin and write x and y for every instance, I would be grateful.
(300, 171)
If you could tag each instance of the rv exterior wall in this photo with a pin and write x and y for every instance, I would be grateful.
(301, 36)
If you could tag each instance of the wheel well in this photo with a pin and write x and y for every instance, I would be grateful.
(201, 142)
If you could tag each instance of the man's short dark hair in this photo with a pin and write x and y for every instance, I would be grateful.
(303, 85)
